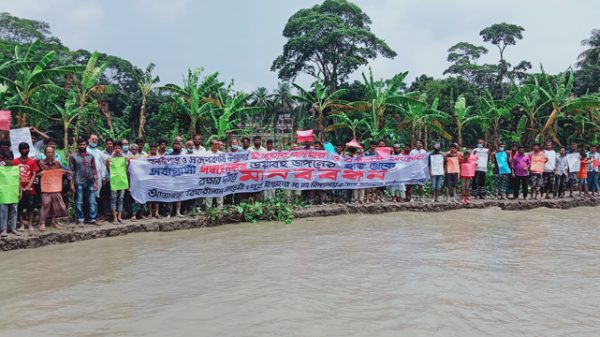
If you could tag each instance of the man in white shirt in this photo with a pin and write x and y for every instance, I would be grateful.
(549, 168)
(419, 186)
(257, 140)
(483, 155)
(198, 148)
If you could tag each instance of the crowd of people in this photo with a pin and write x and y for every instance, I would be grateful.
(94, 185)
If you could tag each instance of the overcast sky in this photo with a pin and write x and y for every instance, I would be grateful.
(240, 39)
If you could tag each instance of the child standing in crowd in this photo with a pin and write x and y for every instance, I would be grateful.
(582, 175)
(467, 171)
(520, 171)
(452, 168)
(118, 182)
(28, 169)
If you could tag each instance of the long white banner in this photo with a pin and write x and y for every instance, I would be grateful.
(178, 178)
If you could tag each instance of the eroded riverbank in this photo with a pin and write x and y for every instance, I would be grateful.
(72, 233)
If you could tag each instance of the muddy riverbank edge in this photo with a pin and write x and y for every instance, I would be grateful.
(72, 233)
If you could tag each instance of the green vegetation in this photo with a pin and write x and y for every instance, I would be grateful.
(69, 93)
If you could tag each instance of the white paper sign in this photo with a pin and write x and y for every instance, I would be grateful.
(18, 136)
(574, 162)
(437, 164)
(482, 159)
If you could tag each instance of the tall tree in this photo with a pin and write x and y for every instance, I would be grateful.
(591, 56)
(464, 57)
(328, 41)
(502, 35)
(146, 85)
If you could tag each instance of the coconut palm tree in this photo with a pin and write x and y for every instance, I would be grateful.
(590, 56)
(196, 97)
(146, 85)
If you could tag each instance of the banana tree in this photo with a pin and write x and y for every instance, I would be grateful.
(531, 104)
(562, 102)
(322, 101)
(421, 118)
(28, 76)
(493, 112)
(146, 85)
(342, 121)
(86, 89)
(227, 112)
(462, 117)
(196, 96)
(66, 115)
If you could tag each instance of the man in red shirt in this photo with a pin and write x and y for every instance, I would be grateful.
(28, 169)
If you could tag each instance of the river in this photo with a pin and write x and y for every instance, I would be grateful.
(460, 273)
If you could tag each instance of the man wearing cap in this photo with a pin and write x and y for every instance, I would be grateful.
(398, 191)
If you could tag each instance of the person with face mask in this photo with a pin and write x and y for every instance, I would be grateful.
(84, 183)
(189, 148)
(479, 181)
(520, 171)
(99, 160)
(436, 171)
(8, 211)
(549, 167)
(28, 169)
(501, 172)
(53, 205)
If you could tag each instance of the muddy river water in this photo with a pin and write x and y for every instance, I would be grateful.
(460, 273)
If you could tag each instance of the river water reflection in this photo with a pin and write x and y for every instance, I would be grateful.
(459, 273)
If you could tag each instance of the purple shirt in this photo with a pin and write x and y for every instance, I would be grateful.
(520, 163)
